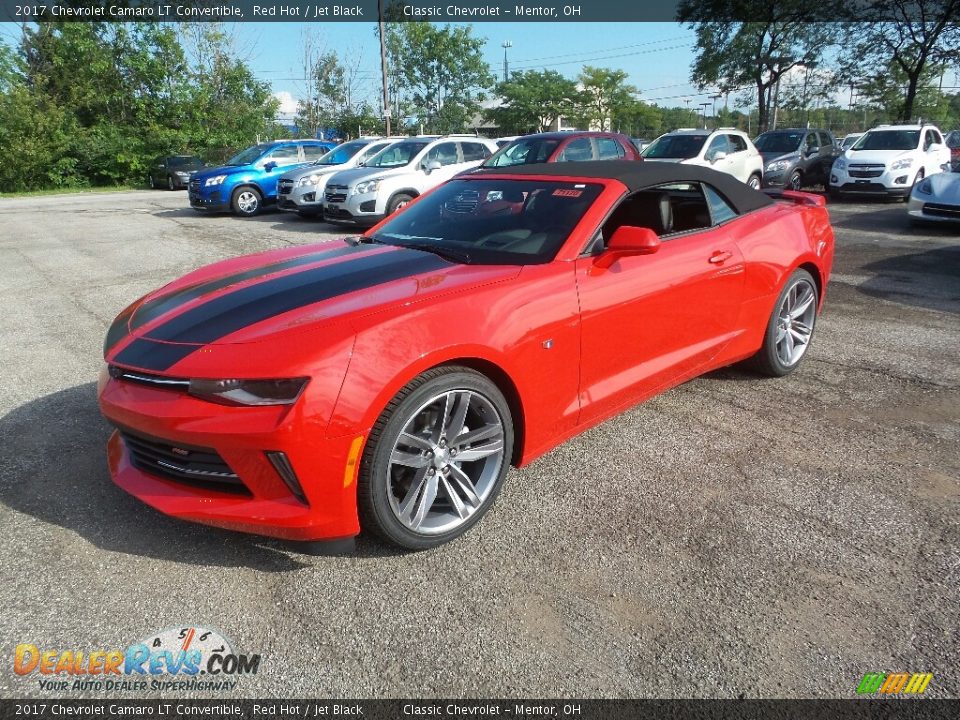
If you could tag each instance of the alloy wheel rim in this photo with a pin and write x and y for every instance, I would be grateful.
(445, 462)
(794, 182)
(247, 201)
(170, 183)
(795, 319)
(753, 182)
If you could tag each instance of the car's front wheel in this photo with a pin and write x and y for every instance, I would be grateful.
(754, 181)
(398, 202)
(790, 327)
(796, 180)
(246, 201)
(436, 459)
(170, 184)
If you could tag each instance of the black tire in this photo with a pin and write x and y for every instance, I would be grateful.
(767, 361)
(795, 181)
(153, 183)
(373, 489)
(918, 178)
(171, 185)
(397, 202)
(246, 201)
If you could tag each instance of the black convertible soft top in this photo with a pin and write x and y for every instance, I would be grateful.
(638, 175)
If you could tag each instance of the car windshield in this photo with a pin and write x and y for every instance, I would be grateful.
(342, 153)
(521, 152)
(492, 222)
(396, 155)
(848, 141)
(888, 140)
(248, 156)
(675, 147)
(778, 142)
(185, 161)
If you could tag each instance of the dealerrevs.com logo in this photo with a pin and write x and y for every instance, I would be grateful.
(183, 658)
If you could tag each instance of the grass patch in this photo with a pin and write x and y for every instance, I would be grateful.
(72, 191)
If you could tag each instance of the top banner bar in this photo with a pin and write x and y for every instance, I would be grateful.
(472, 11)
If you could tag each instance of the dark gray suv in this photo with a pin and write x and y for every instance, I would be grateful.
(795, 157)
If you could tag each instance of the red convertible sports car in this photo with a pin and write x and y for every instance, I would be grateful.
(387, 382)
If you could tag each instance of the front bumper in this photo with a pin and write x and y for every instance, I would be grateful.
(258, 501)
(307, 199)
(929, 210)
(340, 205)
(213, 199)
(892, 183)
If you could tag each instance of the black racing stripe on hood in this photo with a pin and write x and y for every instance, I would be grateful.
(152, 309)
(228, 313)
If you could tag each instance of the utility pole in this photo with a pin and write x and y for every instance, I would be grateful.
(704, 106)
(383, 65)
(715, 98)
(506, 67)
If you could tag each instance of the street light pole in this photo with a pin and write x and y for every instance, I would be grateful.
(715, 98)
(383, 65)
(704, 105)
(506, 67)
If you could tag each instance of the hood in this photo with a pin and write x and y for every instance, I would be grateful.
(769, 157)
(279, 296)
(304, 170)
(945, 187)
(877, 157)
(205, 173)
(354, 175)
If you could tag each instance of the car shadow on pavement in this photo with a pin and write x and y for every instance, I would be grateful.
(53, 467)
(929, 279)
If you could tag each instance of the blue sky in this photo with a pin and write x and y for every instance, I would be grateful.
(656, 56)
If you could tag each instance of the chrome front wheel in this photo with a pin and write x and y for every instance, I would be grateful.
(436, 459)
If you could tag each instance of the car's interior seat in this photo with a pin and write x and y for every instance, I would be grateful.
(647, 208)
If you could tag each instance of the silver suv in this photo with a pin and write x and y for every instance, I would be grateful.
(365, 195)
(301, 190)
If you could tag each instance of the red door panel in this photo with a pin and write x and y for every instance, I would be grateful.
(648, 320)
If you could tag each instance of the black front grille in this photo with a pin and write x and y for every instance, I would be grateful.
(866, 171)
(194, 185)
(335, 197)
(337, 214)
(941, 210)
(285, 186)
(202, 467)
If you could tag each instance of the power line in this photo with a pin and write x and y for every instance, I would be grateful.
(608, 57)
(594, 52)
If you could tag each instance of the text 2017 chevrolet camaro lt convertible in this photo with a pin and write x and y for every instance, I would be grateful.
(389, 381)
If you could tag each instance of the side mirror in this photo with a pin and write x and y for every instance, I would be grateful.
(813, 150)
(628, 240)
(718, 155)
(935, 147)
(431, 165)
(269, 166)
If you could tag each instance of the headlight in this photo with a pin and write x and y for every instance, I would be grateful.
(925, 187)
(777, 166)
(367, 186)
(218, 180)
(309, 180)
(249, 392)
(901, 164)
(839, 164)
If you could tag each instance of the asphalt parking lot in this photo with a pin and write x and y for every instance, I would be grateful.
(733, 537)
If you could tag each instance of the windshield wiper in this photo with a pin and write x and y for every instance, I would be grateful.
(458, 256)
(355, 240)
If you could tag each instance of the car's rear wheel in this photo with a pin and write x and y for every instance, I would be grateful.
(246, 201)
(436, 459)
(398, 202)
(790, 328)
(754, 181)
(796, 180)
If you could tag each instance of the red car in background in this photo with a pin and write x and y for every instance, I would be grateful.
(387, 383)
(575, 146)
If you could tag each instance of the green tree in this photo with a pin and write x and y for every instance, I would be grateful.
(533, 101)
(902, 40)
(441, 72)
(737, 55)
(605, 93)
(328, 96)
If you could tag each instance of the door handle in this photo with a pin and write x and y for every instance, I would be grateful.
(720, 256)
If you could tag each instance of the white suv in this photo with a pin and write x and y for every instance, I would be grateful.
(889, 160)
(724, 149)
(392, 178)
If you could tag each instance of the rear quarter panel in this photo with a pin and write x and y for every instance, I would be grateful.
(775, 241)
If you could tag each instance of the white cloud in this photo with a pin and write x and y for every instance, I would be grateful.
(288, 103)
